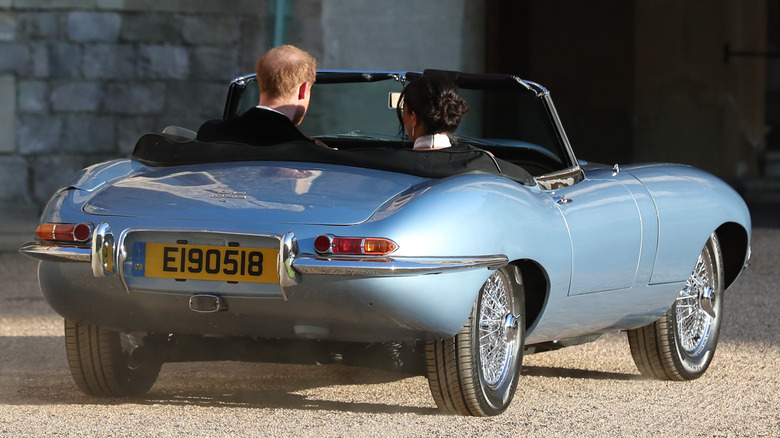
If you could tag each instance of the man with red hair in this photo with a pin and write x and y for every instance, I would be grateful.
(285, 76)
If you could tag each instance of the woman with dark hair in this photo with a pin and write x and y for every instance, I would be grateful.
(431, 110)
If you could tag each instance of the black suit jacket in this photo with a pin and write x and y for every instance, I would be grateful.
(258, 127)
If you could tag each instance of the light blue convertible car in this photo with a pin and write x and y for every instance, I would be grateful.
(450, 263)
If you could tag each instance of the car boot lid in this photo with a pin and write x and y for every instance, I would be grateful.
(258, 192)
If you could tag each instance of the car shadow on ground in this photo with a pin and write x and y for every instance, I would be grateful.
(282, 399)
(297, 387)
(574, 373)
(27, 380)
(290, 393)
(36, 373)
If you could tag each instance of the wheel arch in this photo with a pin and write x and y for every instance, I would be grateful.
(536, 287)
(733, 239)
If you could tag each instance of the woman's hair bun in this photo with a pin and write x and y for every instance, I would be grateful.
(437, 101)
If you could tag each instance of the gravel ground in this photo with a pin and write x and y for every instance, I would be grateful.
(589, 390)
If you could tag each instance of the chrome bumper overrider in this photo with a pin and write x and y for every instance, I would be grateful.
(102, 255)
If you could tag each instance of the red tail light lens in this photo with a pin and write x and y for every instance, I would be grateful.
(64, 232)
(346, 245)
(322, 244)
(327, 244)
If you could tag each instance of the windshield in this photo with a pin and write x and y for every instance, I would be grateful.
(352, 108)
(509, 120)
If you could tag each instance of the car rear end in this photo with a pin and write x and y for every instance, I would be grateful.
(229, 249)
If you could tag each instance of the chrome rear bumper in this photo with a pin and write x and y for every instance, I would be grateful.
(103, 253)
(57, 253)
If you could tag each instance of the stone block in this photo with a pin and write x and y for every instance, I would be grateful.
(255, 40)
(193, 102)
(7, 27)
(217, 63)
(7, 113)
(56, 60)
(151, 28)
(130, 129)
(75, 96)
(33, 96)
(40, 26)
(418, 44)
(184, 6)
(163, 62)
(88, 134)
(210, 29)
(55, 4)
(109, 61)
(38, 134)
(94, 26)
(182, 120)
(134, 98)
(52, 172)
(15, 58)
(13, 179)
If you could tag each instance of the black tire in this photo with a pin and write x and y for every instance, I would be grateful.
(101, 362)
(681, 344)
(474, 373)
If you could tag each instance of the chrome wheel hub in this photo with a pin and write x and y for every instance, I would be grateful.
(510, 328)
(707, 297)
(497, 331)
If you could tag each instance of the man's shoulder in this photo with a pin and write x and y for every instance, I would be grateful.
(219, 126)
(253, 114)
(256, 126)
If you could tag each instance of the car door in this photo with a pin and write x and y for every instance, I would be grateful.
(605, 227)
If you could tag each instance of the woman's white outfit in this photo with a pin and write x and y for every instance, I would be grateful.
(435, 141)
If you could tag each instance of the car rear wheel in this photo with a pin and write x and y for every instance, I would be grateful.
(476, 371)
(105, 363)
(681, 344)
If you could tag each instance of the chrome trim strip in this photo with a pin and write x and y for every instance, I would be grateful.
(537, 88)
(393, 266)
(56, 253)
(558, 125)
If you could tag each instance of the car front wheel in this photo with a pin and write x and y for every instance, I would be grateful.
(681, 344)
(105, 363)
(475, 372)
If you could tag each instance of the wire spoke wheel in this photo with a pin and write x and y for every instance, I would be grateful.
(694, 323)
(681, 344)
(476, 371)
(496, 334)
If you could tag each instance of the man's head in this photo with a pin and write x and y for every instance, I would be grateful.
(285, 75)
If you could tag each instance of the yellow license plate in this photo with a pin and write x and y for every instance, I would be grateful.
(205, 262)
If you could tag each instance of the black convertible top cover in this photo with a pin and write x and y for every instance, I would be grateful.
(158, 150)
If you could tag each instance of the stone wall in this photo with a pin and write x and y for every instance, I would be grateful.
(80, 81)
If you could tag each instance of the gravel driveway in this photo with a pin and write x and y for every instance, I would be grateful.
(589, 390)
